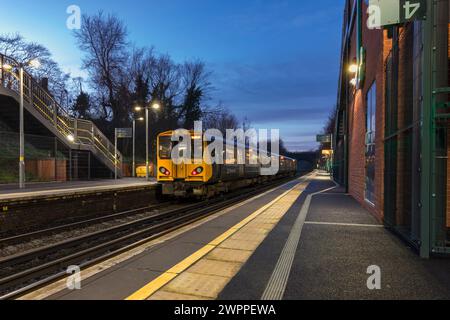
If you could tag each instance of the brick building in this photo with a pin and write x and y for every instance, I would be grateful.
(391, 141)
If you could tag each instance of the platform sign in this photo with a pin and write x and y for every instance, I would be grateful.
(324, 138)
(124, 133)
(384, 13)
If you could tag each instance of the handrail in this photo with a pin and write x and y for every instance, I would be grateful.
(45, 104)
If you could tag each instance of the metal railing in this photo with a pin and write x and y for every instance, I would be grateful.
(79, 132)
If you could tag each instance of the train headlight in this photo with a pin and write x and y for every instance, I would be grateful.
(164, 171)
(197, 171)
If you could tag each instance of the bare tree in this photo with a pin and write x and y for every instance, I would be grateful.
(165, 87)
(15, 46)
(331, 123)
(103, 38)
(196, 86)
(220, 118)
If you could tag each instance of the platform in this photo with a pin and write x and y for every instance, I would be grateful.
(304, 240)
(11, 192)
(42, 204)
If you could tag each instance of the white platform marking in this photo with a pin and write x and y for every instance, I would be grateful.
(276, 286)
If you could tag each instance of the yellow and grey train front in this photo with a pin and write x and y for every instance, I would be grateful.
(183, 179)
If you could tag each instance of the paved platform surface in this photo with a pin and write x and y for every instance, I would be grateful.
(59, 188)
(292, 243)
(339, 241)
(124, 276)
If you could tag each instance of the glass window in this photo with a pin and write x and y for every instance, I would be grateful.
(165, 147)
(371, 105)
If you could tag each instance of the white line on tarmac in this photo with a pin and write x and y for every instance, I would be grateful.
(344, 224)
(276, 286)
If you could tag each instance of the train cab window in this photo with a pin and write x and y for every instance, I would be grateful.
(197, 148)
(165, 147)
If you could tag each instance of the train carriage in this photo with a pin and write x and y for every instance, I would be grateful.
(201, 179)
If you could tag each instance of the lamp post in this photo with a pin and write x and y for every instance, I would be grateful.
(35, 64)
(134, 145)
(155, 106)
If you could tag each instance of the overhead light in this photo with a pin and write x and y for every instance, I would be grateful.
(138, 109)
(141, 119)
(7, 67)
(353, 82)
(35, 63)
(71, 138)
(353, 68)
(156, 106)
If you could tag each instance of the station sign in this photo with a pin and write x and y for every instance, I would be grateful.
(324, 138)
(124, 133)
(384, 13)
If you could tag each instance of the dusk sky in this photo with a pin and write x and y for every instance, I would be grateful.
(274, 61)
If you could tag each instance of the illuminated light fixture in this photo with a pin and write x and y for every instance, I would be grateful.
(141, 119)
(353, 82)
(353, 68)
(71, 138)
(35, 63)
(197, 171)
(138, 109)
(156, 106)
(164, 171)
(7, 67)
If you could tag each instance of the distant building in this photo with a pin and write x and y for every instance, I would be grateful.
(393, 115)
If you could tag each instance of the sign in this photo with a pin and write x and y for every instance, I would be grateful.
(391, 12)
(324, 138)
(124, 133)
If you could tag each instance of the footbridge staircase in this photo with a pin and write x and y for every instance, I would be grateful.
(75, 134)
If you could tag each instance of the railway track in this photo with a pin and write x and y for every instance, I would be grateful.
(12, 240)
(30, 270)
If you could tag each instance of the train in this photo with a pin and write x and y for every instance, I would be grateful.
(203, 180)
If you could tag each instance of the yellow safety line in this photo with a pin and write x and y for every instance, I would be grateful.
(152, 287)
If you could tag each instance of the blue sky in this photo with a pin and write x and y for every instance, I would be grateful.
(274, 61)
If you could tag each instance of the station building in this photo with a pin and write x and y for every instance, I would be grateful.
(392, 119)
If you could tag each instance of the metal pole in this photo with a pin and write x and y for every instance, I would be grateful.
(56, 158)
(134, 149)
(147, 163)
(22, 135)
(427, 127)
(89, 166)
(115, 154)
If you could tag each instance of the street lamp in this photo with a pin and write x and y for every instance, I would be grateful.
(134, 144)
(155, 106)
(353, 68)
(34, 63)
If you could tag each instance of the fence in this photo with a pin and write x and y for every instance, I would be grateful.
(46, 160)
(80, 132)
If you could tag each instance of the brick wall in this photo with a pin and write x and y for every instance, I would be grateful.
(373, 41)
